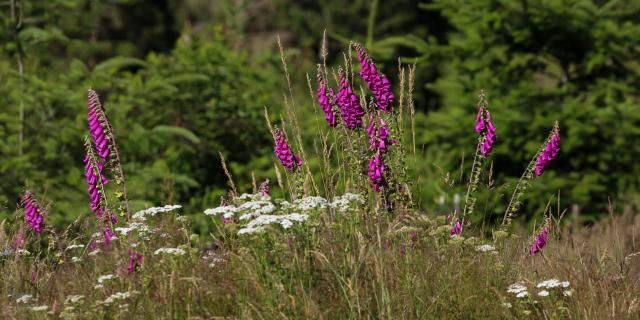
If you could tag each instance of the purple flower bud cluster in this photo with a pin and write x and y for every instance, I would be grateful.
(484, 126)
(457, 228)
(325, 102)
(95, 179)
(32, 212)
(540, 241)
(97, 126)
(349, 104)
(549, 153)
(135, 261)
(378, 83)
(283, 151)
(108, 236)
(378, 143)
(264, 188)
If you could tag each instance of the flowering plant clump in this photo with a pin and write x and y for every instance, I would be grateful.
(32, 212)
(378, 83)
(379, 141)
(350, 110)
(288, 159)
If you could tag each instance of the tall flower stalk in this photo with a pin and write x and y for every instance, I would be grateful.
(325, 94)
(350, 110)
(32, 212)
(282, 149)
(106, 146)
(548, 151)
(486, 138)
(541, 238)
(377, 82)
(379, 142)
(96, 182)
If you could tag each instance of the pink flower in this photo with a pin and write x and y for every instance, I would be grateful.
(135, 261)
(484, 126)
(540, 241)
(377, 82)
(264, 188)
(283, 151)
(325, 103)
(376, 172)
(32, 212)
(97, 126)
(349, 104)
(457, 228)
(549, 153)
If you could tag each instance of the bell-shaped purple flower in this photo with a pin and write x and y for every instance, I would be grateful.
(550, 151)
(95, 179)
(379, 135)
(32, 212)
(135, 261)
(108, 236)
(484, 126)
(539, 242)
(376, 172)
(325, 102)
(98, 127)
(377, 82)
(284, 152)
(457, 228)
(349, 104)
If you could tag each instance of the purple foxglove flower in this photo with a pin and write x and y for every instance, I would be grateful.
(97, 126)
(457, 228)
(108, 236)
(378, 83)
(135, 261)
(94, 183)
(264, 188)
(549, 153)
(325, 103)
(376, 172)
(349, 104)
(484, 126)
(114, 219)
(32, 212)
(539, 242)
(379, 137)
(93, 246)
(283, 151)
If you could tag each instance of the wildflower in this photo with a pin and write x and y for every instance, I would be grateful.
(325, 103)
(142, 214)
(18, 240)
(98, 126)
(25, 298)
(379, 136)
(484, 126)
(75, 246)
(343, 203)
(567, 293)
(310, 203)
(378, 83)
(225, 210)
(32, 212)
(74, 299)
(457, 228)
(106, 277)
(171, 251)
(135, 261)
(76, 259)
(376, 172)
(348, 103)
(516, 288)
(543, 293)
(108, 235)
(507, 305)
(550, 151)
(485, 248)
(95, 179)
(264, 188)
(540, 241)
(39, 308)
(288, 159)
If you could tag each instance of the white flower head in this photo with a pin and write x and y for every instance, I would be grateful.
(170, 251)
(106, 277)
(522, 294)
(485, 248)
(39, 308)
(543, 293)
(224, 210)
(25, 298)
(516, 288)
(142, 214)
(74, 299)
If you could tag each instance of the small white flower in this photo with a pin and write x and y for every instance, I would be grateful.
(225, 210)
(119, 296)
(106, 277)
(95, 252)
(567, 293)
(551, 283)
(98, 286)
(74, 299)
(24, 298)
(485, 248)
(516, 288)
(507, 305)
(565, 284)
(39, 308)
(76, 259)
(543, 293)
(286, 224)
(310, 203)
(343, 203)
(171, 251)
(250, 230)
(75, 246)
(142, 214)
(522, 294)
(22, 252)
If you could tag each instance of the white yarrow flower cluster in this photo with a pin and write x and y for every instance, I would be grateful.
(258, 224)
(255, 197)
(119, 296)
(22, 252)
(486, 248)
(344, 202)
(226, 211)
(143, 230)
(170, 251)
(75, 246)
(39, 308)
(25, 298)
(519, 290)
(142, 214)
(552, 284)
(310, 203)
(102, 279)
(76, 298)
(76, 259)
(256, 208)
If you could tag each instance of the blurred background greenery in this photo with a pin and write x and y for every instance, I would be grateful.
(184, 80)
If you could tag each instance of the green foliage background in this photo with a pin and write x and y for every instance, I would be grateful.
(184, 80)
